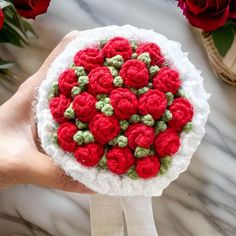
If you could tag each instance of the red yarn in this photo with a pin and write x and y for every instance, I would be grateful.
(89, 154)
(104, 128)
(89, 58)
(152, 102)
(117, 46)
(154, 52)
(67, 81)
(148, 167)
(119, 160)
(57, 107)
(167, 80)
(84, 106)
(182, 113)
(167, 142)
(100, 81)
(134, 73)
(140, 135)
(124, 102)
(65, 135)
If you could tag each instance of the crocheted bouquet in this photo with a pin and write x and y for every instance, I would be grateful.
(120, 109)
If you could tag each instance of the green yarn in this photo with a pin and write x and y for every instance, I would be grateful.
(132, 173)
(134, 90)
(88, 137)
(142, 90)
(79, 71)
(81, 125)
(118, 81)
(124, 124)
(69, 112)
(101, 96)
(54, 90)
(160, 126)
(107, 109)
(99, 105)
(188, 127)
(122, 141)
(83, 80)
(134, 45)
(180, 93)
(116, 61)
(113, 71)
(75, 91)
(78, 137)
(165, 164)
(144, 57)
(153, 70)
(170, 98)
(103, 43)
(167, 116)
(148, 120)
(134, 55)
(102, 164)
(150, 85)
(72, 65)
(141, 152)
(135, 118)
(106, 100)
(113, 142)
(54, 139)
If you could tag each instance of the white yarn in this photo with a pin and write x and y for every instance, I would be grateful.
(105, 182)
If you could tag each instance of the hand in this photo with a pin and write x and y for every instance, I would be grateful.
(21, 159)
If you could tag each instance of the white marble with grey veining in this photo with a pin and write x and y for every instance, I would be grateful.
(202, 202)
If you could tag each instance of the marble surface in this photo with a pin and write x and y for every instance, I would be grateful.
(202, 202)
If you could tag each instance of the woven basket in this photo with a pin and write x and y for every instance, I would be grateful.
(221, 69)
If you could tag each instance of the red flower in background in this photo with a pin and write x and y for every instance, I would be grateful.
(31, 8)
(1, 18)
(209, 14)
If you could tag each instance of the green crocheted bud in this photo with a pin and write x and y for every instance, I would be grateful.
(153, 70)
(103, 43)
(148, 120)
(101, 96)
(54, 88)
(180, 93)
(83, 80)
(167, 116)
(107, 109)
(122, 141)
(54, 139)
(72, 66)
(81, 125)
(118, 81)
(124, 124)
(144, 57)
(141, 152)
(134, 90)
(134, 55)
(116, 61)
(88, 137)
(160, 126)
(78, 137)
(75, 91)
(134, 45)
(113, 71)
(170, 98)
(113, 142)
(135, 118)
(165, 164)
(142, 90)
(69, 112)
(132, 173)
(102, 164)
(150, 85)
(99, 105)
(106, 100)
(188, 127)
(79, 71)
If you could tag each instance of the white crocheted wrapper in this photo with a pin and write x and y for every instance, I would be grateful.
(105, 182)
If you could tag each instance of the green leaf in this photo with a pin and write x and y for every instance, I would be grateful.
(223, 38)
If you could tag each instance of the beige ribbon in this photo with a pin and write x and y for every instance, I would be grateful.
(109, 214)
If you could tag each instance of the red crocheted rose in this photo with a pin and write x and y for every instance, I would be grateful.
(89, 58)
(124, 102)
(84, 106)
(167, 142)
(1, 18)
(65, 135)
(117, 46)
(148, 167)
(152, 102)
(89, 154)
(182, 113)
(167, 80)
(134, 73)
(104, 128)
(57, 106)
(140, 135)
(100, 81)
(119, 160)
(154, 52)
(67, 81)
